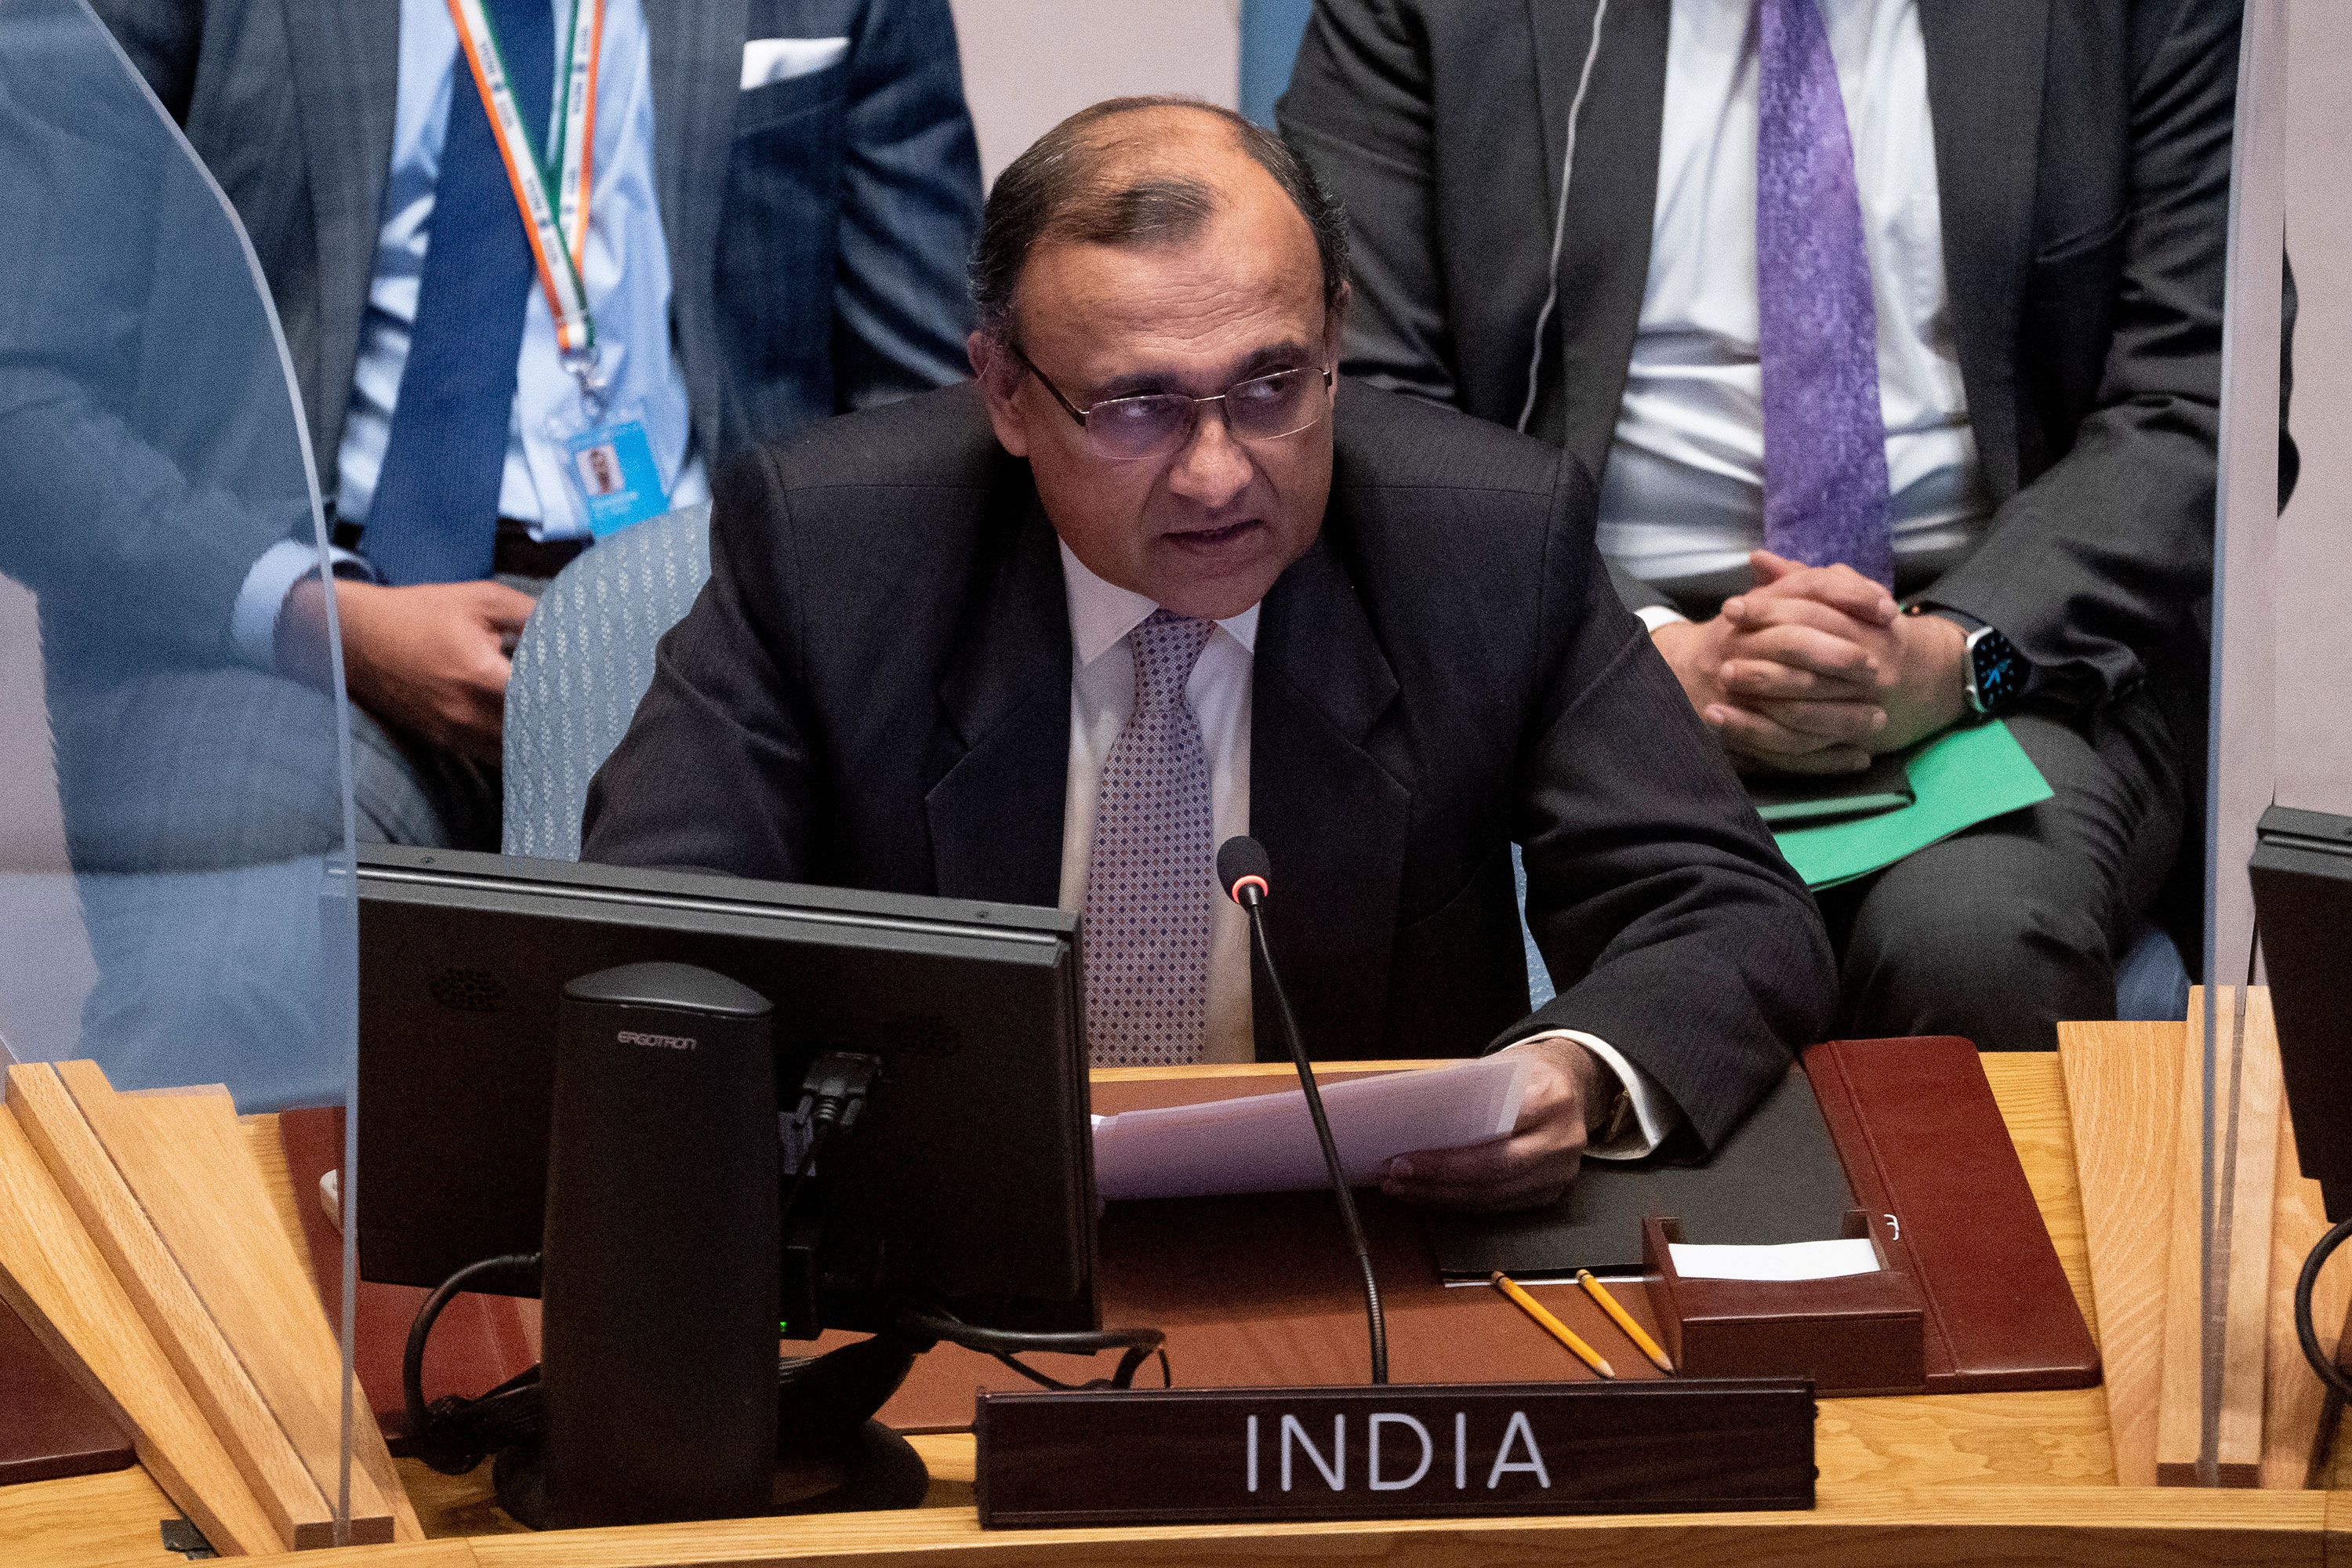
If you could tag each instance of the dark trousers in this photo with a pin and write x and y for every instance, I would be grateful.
(1998, 933)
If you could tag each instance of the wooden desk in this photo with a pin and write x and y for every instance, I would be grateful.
(1926, 1480)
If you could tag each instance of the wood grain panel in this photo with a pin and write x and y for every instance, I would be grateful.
(2115, 1074)
(1923, 1527)
(168, 1305)
(184, 1157)
(109, 1521)
(54, 1275)
(2246, 1249)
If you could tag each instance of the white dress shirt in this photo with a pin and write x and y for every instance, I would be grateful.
(627, 277)
(1683, 499)
(626, 274)
(1102, 697)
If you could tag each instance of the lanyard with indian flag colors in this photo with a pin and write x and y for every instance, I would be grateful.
(558, 229)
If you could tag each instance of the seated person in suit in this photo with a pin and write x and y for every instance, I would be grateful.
(1851, 305)
(780, 198)
(1157, 579)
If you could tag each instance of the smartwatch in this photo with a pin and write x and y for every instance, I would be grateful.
(1993, 673)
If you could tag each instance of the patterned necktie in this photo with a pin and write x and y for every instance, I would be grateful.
(434, 515)
(1148, 883)
(1825, 492)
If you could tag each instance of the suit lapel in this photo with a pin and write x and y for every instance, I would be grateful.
(696, 49)
(346, 68)
(995, 813)
(1985, 74)
(1332, 819)
(1605, 260)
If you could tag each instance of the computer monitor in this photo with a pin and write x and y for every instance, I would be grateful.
(967, 1183)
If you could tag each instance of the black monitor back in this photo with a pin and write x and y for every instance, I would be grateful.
(2301, 874)
(968, 1181)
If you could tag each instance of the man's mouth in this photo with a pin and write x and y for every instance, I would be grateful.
(1212, 538)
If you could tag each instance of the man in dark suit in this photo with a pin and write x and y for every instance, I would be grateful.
(1923, 296)
(780, 195)
(1157, 579)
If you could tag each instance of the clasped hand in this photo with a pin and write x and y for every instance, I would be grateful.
(1815, 670)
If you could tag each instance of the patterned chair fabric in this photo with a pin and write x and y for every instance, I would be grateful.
(585, 659)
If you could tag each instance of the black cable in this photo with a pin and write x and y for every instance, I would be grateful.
(832, 1096)
(818, 1138)
(452, 1433)
(1379, 1325)
(1005, 1345)
(2339, 1383)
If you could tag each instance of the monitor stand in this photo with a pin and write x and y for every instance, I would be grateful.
(832, 1457)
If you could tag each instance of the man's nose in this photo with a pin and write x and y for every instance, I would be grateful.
(1211, 468)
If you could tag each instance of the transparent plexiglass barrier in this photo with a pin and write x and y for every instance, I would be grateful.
(175, 806)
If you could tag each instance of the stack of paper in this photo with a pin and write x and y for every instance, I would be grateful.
(1266, 1142)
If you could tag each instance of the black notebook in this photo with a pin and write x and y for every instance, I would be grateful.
(1804, 800)
(1776, 1178)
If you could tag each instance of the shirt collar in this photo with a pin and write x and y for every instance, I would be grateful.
(1102, 613)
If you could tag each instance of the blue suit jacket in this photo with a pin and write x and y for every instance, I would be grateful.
(817, 228)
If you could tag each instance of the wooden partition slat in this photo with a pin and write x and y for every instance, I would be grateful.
(183, 1156)
(144, 1266)
(55, 1277)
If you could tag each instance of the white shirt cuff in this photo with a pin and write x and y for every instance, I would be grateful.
(1653, 1112)
(1657, 616)
(253, 619)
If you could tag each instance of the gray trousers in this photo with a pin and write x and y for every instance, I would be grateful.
(405, 791)
(1998, 933)
(201, 808)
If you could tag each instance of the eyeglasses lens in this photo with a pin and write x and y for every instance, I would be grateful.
(1261, 409)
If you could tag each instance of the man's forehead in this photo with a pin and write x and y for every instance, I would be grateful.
(1250, 276)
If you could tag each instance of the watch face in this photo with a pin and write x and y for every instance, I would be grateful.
(2000, 669)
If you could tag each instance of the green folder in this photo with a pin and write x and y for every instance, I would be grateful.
(1959, 778)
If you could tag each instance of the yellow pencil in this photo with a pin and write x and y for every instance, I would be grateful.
(1625, 1319)
(1552, 1325)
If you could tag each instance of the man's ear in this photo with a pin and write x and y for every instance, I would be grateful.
(998, 375)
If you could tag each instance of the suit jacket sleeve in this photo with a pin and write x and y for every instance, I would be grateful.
(717, 770)
(1674, 929)
(1357, 109)
(2092, 569)
(909, 208)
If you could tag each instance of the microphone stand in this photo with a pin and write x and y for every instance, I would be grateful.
(1252, 899)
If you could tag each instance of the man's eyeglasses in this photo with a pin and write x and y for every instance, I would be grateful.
(1263, 408)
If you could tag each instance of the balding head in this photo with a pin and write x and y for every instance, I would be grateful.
(1138, 171)
(1161, 288)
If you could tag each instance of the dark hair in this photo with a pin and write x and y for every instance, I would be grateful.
(1062, 189)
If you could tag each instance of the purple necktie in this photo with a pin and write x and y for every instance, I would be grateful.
(1149, 879)
(1825, 494)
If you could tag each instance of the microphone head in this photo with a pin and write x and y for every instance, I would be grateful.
(1241, 861)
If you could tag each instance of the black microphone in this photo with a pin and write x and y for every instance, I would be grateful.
(1246, 876)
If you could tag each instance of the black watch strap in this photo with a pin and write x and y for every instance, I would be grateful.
(1995, 674)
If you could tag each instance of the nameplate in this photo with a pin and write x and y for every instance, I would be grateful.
(1407, 1451)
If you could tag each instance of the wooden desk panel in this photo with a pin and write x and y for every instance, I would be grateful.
(1924, 1480)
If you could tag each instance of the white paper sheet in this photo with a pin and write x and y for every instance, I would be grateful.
(1791, 1260)
(1266, 1142)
